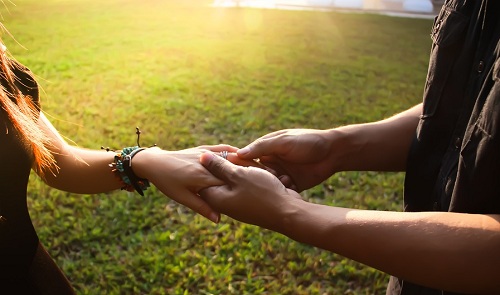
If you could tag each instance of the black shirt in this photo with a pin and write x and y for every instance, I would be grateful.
(18, 239)
(454, 160)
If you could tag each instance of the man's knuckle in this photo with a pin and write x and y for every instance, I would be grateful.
(218, 165)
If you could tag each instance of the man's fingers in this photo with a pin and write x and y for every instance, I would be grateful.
(218, 166)
(254, 150)
(286, 181)
(233, 158)
(266, 145)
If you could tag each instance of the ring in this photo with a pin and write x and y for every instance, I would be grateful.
(223, 154)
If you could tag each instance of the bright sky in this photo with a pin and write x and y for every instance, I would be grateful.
(411, 6)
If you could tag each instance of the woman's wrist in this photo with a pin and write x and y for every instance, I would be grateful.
(142, 162)
(122, 168)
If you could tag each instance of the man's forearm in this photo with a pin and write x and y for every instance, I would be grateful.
(378, 146)
(450, 251)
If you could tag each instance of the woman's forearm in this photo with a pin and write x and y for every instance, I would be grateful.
(450, 251)
(79, 170)
(83, 171)
(378, 146)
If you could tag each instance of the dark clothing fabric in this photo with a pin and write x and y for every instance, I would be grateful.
(18, 240)
(454, 160)
(19, 244)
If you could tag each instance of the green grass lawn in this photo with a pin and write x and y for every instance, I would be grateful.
(190, 74)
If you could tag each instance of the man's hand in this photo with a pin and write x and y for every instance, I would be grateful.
(250, 194)
(302, 157)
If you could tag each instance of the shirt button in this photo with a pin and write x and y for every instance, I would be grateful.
(458, 143)
(436, 28)
(480, 67)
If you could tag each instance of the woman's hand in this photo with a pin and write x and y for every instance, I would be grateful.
(232, 156)
(179, 175)
(250, 195)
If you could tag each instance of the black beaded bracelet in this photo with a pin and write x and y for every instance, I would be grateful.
(139, 184)
(122, 168)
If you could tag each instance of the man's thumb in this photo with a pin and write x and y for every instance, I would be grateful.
(218, 166)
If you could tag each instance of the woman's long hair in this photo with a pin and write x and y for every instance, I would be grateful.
(23, 113)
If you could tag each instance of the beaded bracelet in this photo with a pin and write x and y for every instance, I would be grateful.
(122, 168)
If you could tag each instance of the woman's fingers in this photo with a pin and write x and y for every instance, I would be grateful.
(197, 204)
(219, 148)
